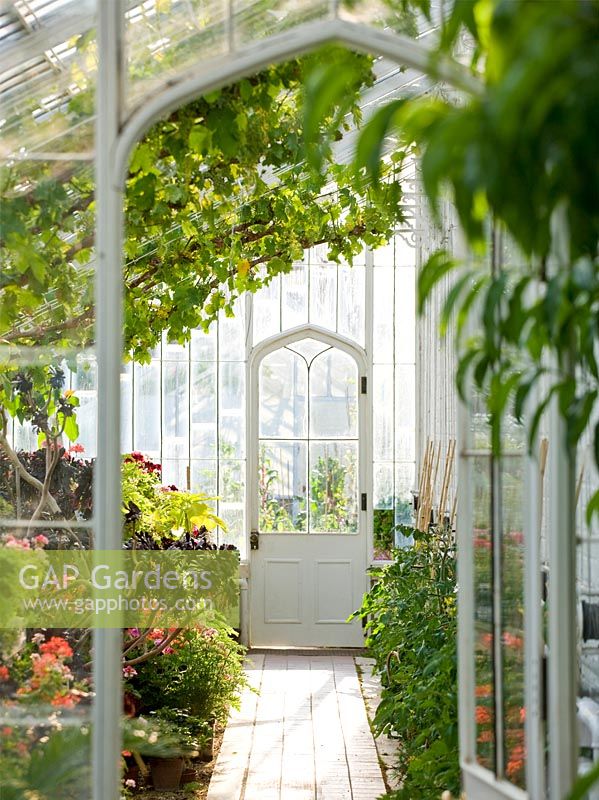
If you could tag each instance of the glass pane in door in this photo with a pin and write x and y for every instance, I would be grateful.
(308, 439)
(333, 396)
(283, 391)
(334, 487)
(282, 486)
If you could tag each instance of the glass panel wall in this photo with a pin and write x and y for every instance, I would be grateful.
(394, 388)
(47, 383)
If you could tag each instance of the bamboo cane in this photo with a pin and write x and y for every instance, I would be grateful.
(426, 475)
(579, 486)
(543, 451)
(454, 510)
(422, 481)
(423, 468)
(430, 486)
(446, 477)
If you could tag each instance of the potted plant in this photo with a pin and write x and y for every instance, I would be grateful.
(167, 771)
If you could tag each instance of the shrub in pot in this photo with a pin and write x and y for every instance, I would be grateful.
(200, 672)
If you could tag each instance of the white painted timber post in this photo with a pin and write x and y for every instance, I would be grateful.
(106, 734)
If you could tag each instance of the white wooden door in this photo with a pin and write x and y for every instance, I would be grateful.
(308, 509)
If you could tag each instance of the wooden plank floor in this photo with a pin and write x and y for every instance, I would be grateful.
(304, 736)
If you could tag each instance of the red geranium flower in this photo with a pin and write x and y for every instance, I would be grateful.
(58, 647)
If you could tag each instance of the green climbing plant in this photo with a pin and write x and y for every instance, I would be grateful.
(520, 151)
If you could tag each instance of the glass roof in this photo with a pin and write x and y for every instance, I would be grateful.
(48, 58)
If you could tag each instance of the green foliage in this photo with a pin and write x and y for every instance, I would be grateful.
(37, 395)
(277, 514)
(383, 524)
(163, 511)
(410, 617)
(330, 506)
(201, 674)
(520, 150)
(49, 762)
(182, 511)
(218, 201)
(193, 733)
(139, 489)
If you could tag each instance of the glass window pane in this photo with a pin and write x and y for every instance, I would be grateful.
(295, 296)
(333, 395)
(383, 516)
(171, 351)
(405, 249)
(405, 413)
(25, 437)
(308, 348)
(203, 477)
(266, 311)
(203, 345)
(232, 481)
(480, 480)
(231, 334)
(383, 315)
(334, 487)
(282, 486)
(405, 315)
(203, 409)
(175, 409)
(231, 423)
(87, 414)
(234, 516)
(512, 610)
(352, 303)
(283, 390)
(383, 486)
(323, 295)
(384, 256)
(382, 423)
(146, 398)
(405, 482)
(126, 408)
(174, 473)
(232, 387)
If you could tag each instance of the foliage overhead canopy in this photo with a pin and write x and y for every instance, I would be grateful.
(522, 157)
(218, 201)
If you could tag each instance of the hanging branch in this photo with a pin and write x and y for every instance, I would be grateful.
(155, 651)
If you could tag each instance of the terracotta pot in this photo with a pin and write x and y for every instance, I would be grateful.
(166, 772)
(189, 775)
(207, 751)
(132, 773)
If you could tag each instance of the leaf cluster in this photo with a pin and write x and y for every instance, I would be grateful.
(410, 620)
(521, 152)
(218, 201)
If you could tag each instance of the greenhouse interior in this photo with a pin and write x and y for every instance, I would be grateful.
(299, 399)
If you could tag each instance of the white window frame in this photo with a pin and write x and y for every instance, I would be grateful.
(271, 345)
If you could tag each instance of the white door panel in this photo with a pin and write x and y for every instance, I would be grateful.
(302, 592)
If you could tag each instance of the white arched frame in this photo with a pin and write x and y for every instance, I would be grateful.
(116, 135)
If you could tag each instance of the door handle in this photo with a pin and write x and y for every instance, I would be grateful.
(254, 540)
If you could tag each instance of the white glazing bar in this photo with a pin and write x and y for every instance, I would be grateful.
(561, 534)
(465, 569)
(465, 563)
(533, 632)
(497, 541)
(368, 455)
(106, 743)
(562, 666)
